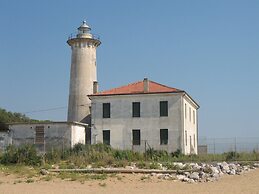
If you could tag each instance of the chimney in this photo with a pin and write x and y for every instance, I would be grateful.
(95, 87)
(146, 85)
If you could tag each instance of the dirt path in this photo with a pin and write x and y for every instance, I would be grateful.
(247, 183)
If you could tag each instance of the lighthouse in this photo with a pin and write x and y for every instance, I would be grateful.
(83, 73)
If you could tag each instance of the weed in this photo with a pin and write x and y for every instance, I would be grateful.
(17, 181)
(47, 178)
(29, 181)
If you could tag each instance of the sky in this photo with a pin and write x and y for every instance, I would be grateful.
(208, 48)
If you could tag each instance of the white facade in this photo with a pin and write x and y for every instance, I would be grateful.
(121, 122)
(82, 73)
(53, 135)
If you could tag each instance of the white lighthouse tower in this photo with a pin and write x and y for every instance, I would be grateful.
(82, 74)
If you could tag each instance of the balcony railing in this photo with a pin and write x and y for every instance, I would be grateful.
(74, 35)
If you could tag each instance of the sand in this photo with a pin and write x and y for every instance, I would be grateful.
(247, 183)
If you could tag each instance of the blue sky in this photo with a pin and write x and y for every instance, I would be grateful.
(208, 48)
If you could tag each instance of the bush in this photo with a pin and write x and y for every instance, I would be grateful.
(25, 154)
(231, 156)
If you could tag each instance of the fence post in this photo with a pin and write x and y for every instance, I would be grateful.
(145, 150)
(214, 146)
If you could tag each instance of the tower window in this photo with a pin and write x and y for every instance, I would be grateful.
(163, 108)
(163, 136)
(135, 109)
(106, 110)
(136, 136)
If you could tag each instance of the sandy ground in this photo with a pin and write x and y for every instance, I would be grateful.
(247, 183)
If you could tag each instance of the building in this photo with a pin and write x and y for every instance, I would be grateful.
(45, 136)
(82, 73)
(145, 114)
(138, 116)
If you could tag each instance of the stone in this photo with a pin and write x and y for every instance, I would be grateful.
(232, 172)
(44, 172)
(190, 181)
(194, 176)
(214, 169)
(202, 175)
(180, 177)
(179, 165)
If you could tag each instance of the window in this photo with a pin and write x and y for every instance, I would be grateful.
(106, 137)
(190, 114)
(39, 135)
(163, 108)
(135, 109)
(190, 141)
(193, 117)
(185, 137)
(106, 110)
(185, 110)
(163, 136)
(136, 137)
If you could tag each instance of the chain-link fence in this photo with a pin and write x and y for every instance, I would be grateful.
(235, 144)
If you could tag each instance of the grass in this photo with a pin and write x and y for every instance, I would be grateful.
(20, 170)
(80, 176)
(29, 180)
(25, 163)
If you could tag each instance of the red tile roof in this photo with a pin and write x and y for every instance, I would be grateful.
(138, 88)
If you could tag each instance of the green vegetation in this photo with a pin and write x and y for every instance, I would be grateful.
(25, 154)
(101, 155)
(14, 117)
(24, 161)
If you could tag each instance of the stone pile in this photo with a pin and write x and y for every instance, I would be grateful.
(203, 172)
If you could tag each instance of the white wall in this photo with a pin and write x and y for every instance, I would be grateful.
(56, 135)
(190, 126)
(77, 135)
(5, 139)
(121, 122)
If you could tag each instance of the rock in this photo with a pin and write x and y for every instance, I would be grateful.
(160, 176)
(44, 172)
(186, 179)
(232, 166)
(232, 172)
(224, 167)
(256, 165)
(194, 176)
(179, 165)
(190, 181)
(202, 175)
(153, 174)
(214, 169)
(187, 174)
(215, 175)
(180, 177)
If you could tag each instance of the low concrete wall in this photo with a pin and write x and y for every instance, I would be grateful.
(5, 139)
(57, 135)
